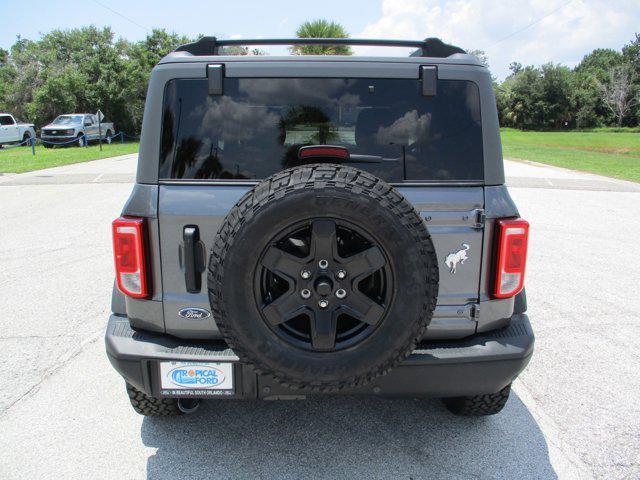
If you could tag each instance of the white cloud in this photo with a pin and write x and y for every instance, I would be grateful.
(564, 36)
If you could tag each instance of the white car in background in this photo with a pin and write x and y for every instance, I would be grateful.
(78, 128)
(14, 132)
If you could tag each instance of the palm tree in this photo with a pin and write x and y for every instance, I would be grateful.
(321, 29)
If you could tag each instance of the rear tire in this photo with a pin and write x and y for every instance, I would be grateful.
(478, 405)
(151, 406)
(107, 137)
(82, 140)
(47, 145)
(25, 140)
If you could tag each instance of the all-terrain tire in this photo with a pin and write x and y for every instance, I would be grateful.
(479, 405)
(311, 192)
(151, 406)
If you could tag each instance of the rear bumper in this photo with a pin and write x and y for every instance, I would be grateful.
(483, 363)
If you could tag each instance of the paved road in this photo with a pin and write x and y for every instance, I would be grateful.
(575, 412)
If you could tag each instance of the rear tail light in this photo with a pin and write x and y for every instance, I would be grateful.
(513, 236)
(129, 256)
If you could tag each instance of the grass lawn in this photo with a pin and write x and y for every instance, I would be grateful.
(20, 159)
(614, 154)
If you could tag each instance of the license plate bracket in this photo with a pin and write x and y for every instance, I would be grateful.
(196, 379)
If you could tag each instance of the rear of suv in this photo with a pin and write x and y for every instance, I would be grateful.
(319, 225)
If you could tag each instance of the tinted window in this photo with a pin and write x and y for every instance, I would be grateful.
(6, 120)
(257, 127)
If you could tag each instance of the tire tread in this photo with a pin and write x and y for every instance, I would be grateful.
(479, 405)
(314, 177)
(152, 406)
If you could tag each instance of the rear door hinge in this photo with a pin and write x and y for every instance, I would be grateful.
(429, 74)
(215, 75)
(481, 216)
(475, 311)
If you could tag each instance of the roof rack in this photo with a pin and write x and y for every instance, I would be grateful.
(430, 47)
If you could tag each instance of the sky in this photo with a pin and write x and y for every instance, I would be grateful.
(531, 32)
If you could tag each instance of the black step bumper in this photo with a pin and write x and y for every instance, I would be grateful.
(483, 363)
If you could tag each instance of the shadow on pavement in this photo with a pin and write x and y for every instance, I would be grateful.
(345, 437)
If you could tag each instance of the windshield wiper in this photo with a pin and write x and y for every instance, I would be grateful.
(357, 158)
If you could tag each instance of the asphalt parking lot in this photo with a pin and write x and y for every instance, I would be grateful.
(574, 413)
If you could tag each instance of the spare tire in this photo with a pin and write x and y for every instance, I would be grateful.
(323, 276)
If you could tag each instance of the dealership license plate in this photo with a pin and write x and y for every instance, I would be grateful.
(196, 378)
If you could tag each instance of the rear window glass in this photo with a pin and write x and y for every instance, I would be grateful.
(258, 126)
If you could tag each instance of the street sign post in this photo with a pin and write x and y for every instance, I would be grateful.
(100, 116)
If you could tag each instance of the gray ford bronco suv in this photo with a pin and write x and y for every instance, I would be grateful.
(306, 225)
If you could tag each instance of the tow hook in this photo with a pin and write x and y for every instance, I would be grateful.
(188, 405)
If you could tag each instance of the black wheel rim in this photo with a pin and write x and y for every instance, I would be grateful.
(323, 285)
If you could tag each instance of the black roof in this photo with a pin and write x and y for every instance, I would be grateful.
(430, 47)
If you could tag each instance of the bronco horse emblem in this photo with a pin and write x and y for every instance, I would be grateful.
(454, 258)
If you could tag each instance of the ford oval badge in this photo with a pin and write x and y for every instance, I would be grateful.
(194, 313)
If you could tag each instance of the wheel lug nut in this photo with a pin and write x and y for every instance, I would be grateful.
(323, 264)
(306, 274)
(323, 303)
(305, 293)
(341, 293)
(341, 274)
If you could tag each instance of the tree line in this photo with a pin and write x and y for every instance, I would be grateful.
(602, 90)
(81, 70)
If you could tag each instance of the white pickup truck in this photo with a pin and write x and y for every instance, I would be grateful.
(14, 132)
(78, 128)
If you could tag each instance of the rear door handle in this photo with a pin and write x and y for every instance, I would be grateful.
(192, 259)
